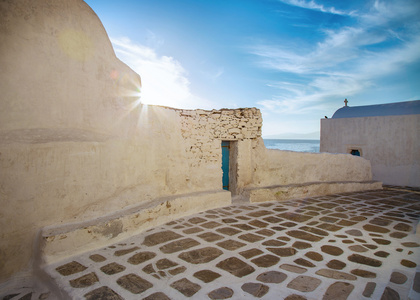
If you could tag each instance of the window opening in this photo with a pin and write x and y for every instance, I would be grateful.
(355, 152)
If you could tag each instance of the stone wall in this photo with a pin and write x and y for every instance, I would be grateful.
(204, 130)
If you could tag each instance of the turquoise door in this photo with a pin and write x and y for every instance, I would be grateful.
(225, 164)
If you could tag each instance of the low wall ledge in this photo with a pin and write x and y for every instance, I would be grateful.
(68, 227)
(306, 184)
(57, 242)
(307, 189)
(50, 135)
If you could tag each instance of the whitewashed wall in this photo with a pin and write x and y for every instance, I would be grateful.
(282, 175)
(390, 143)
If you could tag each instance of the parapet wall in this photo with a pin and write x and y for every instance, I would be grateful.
(282, 175)
(273, 167)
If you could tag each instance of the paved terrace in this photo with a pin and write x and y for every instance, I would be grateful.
(349, 246)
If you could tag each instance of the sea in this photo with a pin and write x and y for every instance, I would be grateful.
(292, 145)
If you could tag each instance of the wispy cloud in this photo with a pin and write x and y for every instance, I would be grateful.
(317, 7)
(383, 12)
(164, 80)
(339, 46)
(300, 99)
(346, 61)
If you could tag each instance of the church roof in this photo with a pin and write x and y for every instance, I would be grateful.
(389, 109)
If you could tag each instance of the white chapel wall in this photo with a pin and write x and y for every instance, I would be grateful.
(390, 143)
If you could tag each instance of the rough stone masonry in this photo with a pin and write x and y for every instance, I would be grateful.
(203, 130)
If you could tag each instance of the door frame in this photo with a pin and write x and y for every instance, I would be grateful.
(232, 147)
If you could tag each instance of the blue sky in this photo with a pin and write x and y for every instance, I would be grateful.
(296, 60)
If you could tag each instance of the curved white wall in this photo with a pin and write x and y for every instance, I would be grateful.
(74, 142)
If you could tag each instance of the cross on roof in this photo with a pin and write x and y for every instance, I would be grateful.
(345, 102)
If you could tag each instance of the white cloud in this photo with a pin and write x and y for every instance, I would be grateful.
(164, 80)
(383, 12)
(344, 63)
(310, 98)
(318, 7)
(339, 46)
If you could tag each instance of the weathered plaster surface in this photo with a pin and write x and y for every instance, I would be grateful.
(390, 143)
(309, 189)
(58, 242)
(198, 167)
(287, 167)
(75, 143)
(283, 175)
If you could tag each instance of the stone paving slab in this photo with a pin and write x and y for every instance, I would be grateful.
(349, 246)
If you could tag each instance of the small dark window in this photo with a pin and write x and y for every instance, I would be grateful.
(355, 152)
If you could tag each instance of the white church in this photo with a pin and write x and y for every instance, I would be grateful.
(388, 135)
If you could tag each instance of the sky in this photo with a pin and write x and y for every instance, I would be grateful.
(295, 60)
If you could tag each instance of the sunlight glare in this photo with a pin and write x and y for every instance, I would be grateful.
(128, 88)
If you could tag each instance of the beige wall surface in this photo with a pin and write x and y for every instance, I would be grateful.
(390, 143)
(274, 175)
(75, 143)
(274, 167)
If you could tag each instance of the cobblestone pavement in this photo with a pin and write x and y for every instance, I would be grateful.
(349, 246)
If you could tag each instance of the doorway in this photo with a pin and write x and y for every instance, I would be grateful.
(229, 165)
(225, 164)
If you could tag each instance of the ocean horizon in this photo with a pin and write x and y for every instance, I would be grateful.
(297, 145)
